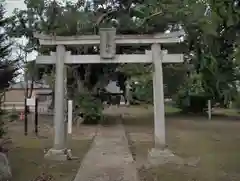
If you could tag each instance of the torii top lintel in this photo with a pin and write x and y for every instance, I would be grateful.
(162, 38)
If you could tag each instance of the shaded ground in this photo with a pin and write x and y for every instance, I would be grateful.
(26, 156)
(215, 143)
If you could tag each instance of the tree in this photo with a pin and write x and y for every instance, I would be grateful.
(139, 16)
(212, 29)
(128, 16)
(58, 19)
(212, 40)
(8, 68)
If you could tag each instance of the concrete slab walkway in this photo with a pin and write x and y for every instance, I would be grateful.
(109, 158)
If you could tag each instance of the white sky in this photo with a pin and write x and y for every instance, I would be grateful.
(10, 5)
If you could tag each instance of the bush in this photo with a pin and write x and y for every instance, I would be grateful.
(90, 108)
(142, 92)
(13, 115)
(192, 103)
(192, 97)
(4, 142)
(2, 124)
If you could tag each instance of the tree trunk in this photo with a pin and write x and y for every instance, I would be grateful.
(29, 94)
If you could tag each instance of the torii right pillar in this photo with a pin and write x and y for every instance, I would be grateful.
(159, 154)
(158, 95)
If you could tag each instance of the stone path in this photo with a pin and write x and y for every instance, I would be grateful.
(109, 158)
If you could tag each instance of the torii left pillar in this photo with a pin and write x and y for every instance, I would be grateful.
(59, 151)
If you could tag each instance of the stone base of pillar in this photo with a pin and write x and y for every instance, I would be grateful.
(58, 155)
(160, 143)
(158, 157)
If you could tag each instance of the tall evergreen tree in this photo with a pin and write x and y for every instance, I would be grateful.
(8, 68)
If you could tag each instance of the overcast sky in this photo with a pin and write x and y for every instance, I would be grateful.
(10, 5)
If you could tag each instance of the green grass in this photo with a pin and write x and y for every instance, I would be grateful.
(169, 109)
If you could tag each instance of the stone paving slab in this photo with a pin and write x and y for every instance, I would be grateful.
(109, 158)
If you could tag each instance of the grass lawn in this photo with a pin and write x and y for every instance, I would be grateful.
(171, 110)
(215, 143)
(27, 156)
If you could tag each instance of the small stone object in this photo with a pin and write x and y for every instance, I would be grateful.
(44, 177)
(69, 154)
(160, 157)
(5, 170)
(57, 155)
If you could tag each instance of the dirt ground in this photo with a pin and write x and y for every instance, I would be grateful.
(215, 144)
(27, 152)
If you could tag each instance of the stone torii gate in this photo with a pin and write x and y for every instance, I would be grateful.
(107, 41)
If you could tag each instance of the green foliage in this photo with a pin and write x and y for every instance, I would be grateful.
(2, 124)
(90, 108)
(7, 67)
(140, 76)
(212, 28)
(13, 114)
(142, 91)
(76, 19)
(211, 45)
(173, 77)
(191, 96)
